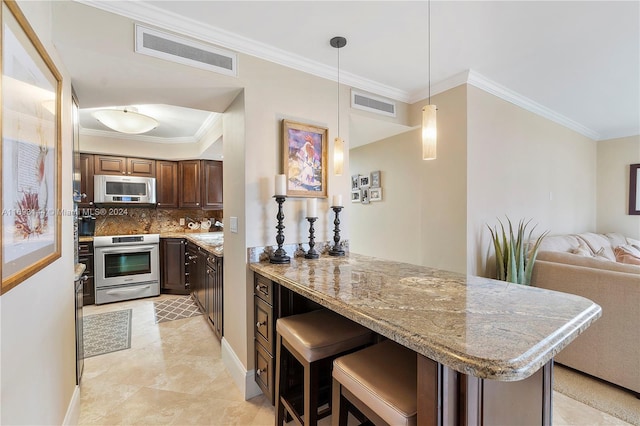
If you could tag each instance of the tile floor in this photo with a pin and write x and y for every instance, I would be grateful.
(173, 374)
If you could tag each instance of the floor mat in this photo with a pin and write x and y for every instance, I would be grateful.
(597, 394)
(105, 333)
(173, 309)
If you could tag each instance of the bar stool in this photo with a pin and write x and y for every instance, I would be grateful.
(312, 338)
(380, 381)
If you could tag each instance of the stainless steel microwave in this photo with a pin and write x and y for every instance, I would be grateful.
(112, 189)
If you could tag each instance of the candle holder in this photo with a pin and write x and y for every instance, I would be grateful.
(280, 255)
(336, 250)
(312, 253)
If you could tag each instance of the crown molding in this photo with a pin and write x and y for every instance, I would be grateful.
(146, 12)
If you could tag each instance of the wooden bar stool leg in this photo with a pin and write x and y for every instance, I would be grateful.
(339, 413)
(280, 383)
(311, 394)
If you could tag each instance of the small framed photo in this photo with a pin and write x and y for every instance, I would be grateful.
(355, 196)
(375, 179)
(355, 182)
(364, 195)
(375, 194)
(363, 180)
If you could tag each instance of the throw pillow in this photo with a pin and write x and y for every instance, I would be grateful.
(632, 250)
(582, 250)
(623, 256)
(635, 243)
(600, 254)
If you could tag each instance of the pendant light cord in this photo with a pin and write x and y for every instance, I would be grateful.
(338, 109)
(429, 44)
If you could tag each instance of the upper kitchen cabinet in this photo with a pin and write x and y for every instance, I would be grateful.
(190, 188)
(212, 184)
(167, 183)
(86, 181)
(110, 165)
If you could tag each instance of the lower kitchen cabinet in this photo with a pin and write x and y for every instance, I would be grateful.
(196, 260)
(214, 294)
(173, 266)
(85, 255)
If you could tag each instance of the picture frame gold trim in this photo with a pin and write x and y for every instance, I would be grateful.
(634, 189)
(30, 233)
(304, 167)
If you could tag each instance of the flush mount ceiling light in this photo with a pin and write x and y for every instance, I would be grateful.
(126, 120)
(429, 127)
(338, 144)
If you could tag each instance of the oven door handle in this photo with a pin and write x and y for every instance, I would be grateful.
(127, 249)
(127, 290)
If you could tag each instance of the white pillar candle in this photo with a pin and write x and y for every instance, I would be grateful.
(337, 201)
(281, 185)
(312, 206)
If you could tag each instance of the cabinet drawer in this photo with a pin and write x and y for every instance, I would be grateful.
(264, 371)
(264, 331)
(88, 262)
(85, 249)
(264, 289)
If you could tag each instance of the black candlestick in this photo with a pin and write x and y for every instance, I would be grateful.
(312, 253)
(280, 255)
(336, 250)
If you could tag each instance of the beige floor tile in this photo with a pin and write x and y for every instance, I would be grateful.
(173, 374)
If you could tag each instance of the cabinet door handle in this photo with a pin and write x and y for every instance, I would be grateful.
(259, 371)
(262, 288)
(192, 257)
(260, 324)
(197, 204)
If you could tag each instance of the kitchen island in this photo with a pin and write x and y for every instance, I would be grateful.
(485, 347)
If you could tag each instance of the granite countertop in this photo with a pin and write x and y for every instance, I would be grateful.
(85, 239)
(78, 271)
(210, 241)
(477, 326)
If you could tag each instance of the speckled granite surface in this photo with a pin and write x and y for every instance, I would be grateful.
(211, 241)
(477, 326)
(78, 271)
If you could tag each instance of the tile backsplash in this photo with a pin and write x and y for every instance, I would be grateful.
(140, 220)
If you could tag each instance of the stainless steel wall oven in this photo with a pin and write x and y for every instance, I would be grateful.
(126, 267)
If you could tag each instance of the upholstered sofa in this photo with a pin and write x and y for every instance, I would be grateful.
(585, 264)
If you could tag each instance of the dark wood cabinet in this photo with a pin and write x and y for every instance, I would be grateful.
(190, 180)
(173, 266)
(167, 183)
(196, 260)
(214, 295)
(212, 184)
(85, 255)
(86, 181)
(264, 338)
(111, 165)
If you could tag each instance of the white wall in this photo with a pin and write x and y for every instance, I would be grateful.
(526, 167)
(614, 158)
(37, 330)
(422, 218)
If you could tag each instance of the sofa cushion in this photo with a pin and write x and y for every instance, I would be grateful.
(635, 243)
(582, 250)
(627, 254)
(587, 262)
(616, 239)
(597, 242)
(563, 243)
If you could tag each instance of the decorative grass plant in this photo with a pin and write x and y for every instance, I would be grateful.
(515, 254)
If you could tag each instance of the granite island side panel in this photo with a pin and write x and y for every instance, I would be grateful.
(477, 326)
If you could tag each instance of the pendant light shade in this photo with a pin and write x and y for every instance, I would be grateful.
(429, 125)
(429, 132)
(125, 121)
(338, 156)
(338, 143)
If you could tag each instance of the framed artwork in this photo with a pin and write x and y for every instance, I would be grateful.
(364, 180)
(304, 160)
(634, 189)
(375, 179)
(30, 152)
(355, 182)
(364, 195)
(375, 194)
(355, 196)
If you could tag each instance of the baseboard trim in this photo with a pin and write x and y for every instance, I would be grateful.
(245, 380)
(72, 415)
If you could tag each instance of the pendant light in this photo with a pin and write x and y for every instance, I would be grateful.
(338, 143)
(126, 120)
(429, 126)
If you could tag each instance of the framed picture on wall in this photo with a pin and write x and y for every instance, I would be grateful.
(304, 161)
(364, 195)
(355, 182)
(634, 189)
(355, 196)
(375, 179)
(30, 152)
(363, 181)
(375, 194)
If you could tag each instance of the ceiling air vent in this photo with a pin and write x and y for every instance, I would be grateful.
(373, 104)
(185, 51)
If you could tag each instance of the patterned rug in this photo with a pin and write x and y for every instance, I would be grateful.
(105, 333)
(173, 309)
